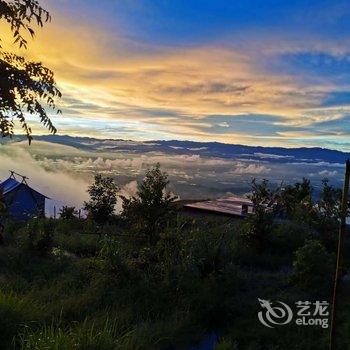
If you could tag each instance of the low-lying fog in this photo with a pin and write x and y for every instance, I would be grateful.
(63, 172)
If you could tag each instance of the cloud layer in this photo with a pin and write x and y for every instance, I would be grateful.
(247, 86)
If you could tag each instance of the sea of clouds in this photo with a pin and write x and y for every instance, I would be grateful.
(63, 173)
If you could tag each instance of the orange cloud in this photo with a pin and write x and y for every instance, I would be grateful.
(102, 75)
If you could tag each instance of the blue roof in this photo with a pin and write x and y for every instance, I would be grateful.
(9, 185)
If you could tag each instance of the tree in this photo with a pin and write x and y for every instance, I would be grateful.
(68, 213)
(25, 87)
(328, 214)
(329, 202)
(152, 206)
(295, 201)
(103, 198)
(260, 222)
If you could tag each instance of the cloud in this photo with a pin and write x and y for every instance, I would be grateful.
(271, 156)
(328, 173)
(252, 169)
(62, 188)
(116, 86)
(224, 125)
(128, 190)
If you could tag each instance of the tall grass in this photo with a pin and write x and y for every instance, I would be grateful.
(55, 336)
(118, 292)
(15, 310)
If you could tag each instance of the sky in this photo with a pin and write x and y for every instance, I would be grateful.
(271, 73)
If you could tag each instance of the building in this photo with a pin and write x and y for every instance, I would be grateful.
(230, 206)
(21, 201)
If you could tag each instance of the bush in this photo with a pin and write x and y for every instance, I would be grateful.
(113, 257)
(68, 213)
(287, 236)
(39, 236)
(314, 267)
(82, 245)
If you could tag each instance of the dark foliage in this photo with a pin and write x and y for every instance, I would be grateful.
(295, 201)
(314, 268)
(103, 198)
(326, 222)
(118, 290)
(25, 87)
(68, 213)
(152, 206)
(259, 224)
(39, 238)
(2, 203)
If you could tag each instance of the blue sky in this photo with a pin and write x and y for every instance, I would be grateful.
(252, 72)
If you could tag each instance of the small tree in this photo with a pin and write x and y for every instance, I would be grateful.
(260, 222)
(152, 206)
(314, 267)
(103, 198)
(295, 201)
(329, 202)
(328, 214)
(68, 213)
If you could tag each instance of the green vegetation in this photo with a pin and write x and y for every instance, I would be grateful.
(103, 198)
(73, 283)
(68, 213)
(152, 208)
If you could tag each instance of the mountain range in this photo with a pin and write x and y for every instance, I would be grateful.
(314, 155)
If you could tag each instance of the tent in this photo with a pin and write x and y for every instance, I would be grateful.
(21, 201)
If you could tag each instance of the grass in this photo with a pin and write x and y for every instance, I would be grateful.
(90, 291)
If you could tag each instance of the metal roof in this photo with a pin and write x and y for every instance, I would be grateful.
(9, 185)
(230, 205)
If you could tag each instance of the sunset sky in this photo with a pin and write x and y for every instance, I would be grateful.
(250, 72)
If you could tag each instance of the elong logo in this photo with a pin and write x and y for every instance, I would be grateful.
(279, 313)
(274, 315)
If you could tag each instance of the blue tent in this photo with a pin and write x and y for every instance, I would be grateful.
(21, 201)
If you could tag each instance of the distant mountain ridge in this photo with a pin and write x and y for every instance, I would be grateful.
(202, 149)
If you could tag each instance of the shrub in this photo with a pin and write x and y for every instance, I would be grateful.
(314, 267)
(113, 257)
(68, 213)
(287, 236)
(39, 236)
(82, 245)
